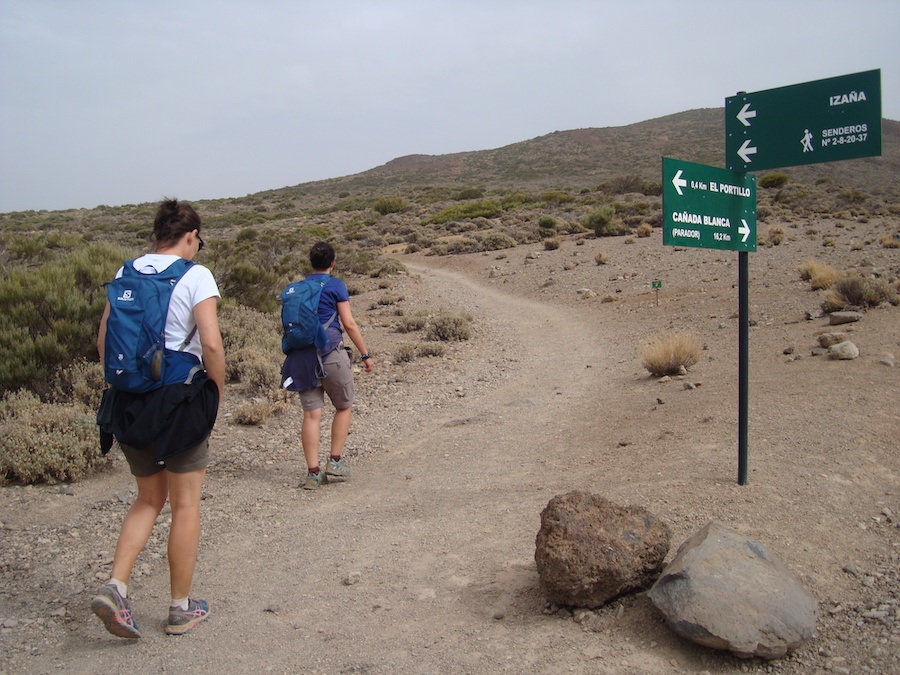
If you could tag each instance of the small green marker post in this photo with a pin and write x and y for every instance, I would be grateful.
(657, 284)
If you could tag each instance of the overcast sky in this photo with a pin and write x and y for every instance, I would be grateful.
(122, 102)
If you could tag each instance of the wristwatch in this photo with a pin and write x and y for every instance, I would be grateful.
(365, 357)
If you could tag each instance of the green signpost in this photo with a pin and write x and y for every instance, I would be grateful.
(708, 207)
(822, 121)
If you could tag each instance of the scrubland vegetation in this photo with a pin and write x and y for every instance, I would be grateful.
(55, 264)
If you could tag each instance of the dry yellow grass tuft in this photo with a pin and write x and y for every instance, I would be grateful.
(666, 353)
(820, 275)
(890, 241)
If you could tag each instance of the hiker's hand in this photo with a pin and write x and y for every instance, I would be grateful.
(369, 364)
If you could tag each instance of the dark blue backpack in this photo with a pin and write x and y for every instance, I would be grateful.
(135, 355)
(300, 315)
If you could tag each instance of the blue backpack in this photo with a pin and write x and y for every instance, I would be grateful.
(300, 315)
(135, 355)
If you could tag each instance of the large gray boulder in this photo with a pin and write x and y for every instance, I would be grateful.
(726, 591)
(590, 550)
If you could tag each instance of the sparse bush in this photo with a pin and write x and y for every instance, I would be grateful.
(820, 275)
(773, 180)
(79, 382)
(257, 371)
(389, 299)
(775, 235)
(449, 327)
(44, 442)
(257, 412)
(405, 353)
(624, 184)
(668, 352)
(496, 241)
(854, 291)
(546, 227)
(556, 197)
(601, 258)
(601, 221)
(386, 205)
(890, 241)
(412, 323)
(243, 327)
(644, 230)
(431, 349)
(479, 209)
(388, 267)
(51, 315)
(552, 244)
(469, 193)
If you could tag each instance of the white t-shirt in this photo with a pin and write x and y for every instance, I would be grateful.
(195, 286)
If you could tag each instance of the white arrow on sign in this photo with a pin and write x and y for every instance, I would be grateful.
(679, 182)
(744, 229)
(746, 114)
(746, 150)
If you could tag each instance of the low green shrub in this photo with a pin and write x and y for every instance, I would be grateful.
(79, 382)
(601, 221)
(388, 267)
(468, 193)
(480, 209)
(449, 327)
(412, 323)
(547, 226)
(431, 349)
(496, 241)
(51, 315)
(773, 180)
(854, 291)
(386, 205)
(405, 353)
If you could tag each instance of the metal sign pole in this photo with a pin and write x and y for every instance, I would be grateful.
(743, 362)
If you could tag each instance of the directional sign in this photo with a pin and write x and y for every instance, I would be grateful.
(821, 121)
(708, 207)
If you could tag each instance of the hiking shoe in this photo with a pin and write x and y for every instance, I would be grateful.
(337, 467)
(183, 620)
(115, 612)
(314, 480)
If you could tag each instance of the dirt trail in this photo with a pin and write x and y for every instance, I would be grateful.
(424, 561)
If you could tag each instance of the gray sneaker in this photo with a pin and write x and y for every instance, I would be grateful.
(115, 612)
(337, 468)
(314, 480)
(183, 620)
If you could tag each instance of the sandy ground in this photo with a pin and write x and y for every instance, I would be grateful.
(424, 561)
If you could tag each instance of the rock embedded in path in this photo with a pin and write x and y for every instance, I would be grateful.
(726, 591)
(589, 550)
(827, 340)
(838, 318)
(843, 351)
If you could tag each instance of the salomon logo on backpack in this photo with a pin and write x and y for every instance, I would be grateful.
(300, 316)
(135, 355)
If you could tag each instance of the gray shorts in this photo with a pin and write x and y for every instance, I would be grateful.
(338, 383)
(142, 463)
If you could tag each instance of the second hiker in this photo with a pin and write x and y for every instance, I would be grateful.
(303, 371)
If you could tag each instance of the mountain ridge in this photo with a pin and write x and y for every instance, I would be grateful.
(582, 158)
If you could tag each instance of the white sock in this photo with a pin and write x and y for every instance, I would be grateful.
(121, 586)
(180, 603)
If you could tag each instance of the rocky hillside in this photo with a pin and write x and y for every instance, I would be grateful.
(585, 157)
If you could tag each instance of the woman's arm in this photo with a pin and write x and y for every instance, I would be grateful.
(101, 334)
(211, 341)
